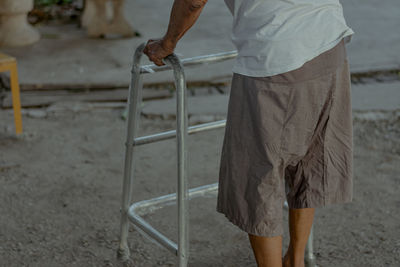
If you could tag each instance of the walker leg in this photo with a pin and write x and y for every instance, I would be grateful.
(134, 102)
(309, 259)
(182, 133)
(183, 214)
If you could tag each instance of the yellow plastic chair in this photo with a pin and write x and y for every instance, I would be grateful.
(8, 63)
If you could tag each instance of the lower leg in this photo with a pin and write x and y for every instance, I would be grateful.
(300, 223)
(267, 250)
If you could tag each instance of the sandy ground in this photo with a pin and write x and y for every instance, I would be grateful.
(60, 190)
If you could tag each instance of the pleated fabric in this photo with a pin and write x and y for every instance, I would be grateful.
(287, 137)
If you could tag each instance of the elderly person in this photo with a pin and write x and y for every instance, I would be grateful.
(288, 131)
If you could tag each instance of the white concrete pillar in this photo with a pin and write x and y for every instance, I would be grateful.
(14, 27)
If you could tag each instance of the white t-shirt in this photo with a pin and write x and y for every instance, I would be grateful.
(276, 36)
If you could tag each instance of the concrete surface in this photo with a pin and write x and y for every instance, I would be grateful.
(365, 97)
(197, 105)
(376, 96)
(60, 190)
(65, 55)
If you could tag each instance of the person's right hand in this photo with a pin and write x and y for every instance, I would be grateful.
(156, 50)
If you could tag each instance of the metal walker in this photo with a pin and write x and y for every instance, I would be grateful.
(131, 212)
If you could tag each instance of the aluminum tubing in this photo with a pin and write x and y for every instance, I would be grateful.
(172, 134)
(309, 258)
(193, 61)
(153, 234)
(182, 133)
(134, 101)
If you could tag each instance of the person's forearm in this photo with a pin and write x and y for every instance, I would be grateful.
(184, 14)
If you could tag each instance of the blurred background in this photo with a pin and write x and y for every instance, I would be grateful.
(61, 176)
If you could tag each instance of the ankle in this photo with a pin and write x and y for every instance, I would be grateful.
(297, 262)
(294, 258)
(289, 262)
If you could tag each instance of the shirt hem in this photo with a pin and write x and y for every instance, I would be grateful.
(348, 33)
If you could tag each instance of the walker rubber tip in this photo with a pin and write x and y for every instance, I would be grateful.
(123, 256)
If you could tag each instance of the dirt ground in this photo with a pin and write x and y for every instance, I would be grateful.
(60, 191)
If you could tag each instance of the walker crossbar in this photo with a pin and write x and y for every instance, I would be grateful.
(171, 134)
(133, 212)
(149, 206)
(193, 61)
